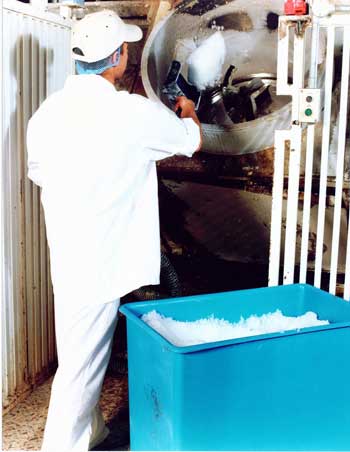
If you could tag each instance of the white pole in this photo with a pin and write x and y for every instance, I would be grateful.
(324, 156)
(340, 158)
(309, 157)
(292, 205)
(294, 162)
(277, 200)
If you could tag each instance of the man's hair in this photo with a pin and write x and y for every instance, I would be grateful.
(98, 67)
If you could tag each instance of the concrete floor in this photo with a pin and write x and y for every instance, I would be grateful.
(23, 427)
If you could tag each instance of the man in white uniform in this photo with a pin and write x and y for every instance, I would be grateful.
(93, 150)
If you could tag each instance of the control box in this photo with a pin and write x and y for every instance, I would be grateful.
(309, 105)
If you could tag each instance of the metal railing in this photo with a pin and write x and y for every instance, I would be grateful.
(316, 99)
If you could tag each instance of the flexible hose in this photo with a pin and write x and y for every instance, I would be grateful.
(169, 281)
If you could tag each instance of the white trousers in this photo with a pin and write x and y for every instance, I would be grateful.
(84, 339)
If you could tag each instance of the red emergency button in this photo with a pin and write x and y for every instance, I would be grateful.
(295, 7)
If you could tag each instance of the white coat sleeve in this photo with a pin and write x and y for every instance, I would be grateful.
(163, 133)
(33, 151)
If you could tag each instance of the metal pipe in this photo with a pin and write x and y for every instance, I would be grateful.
(277, 201)
(309, 155)
(294, 162)
(315, 40)
(282, 85)
(292, 204)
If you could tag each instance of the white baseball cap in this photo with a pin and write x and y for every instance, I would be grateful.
(98, 35)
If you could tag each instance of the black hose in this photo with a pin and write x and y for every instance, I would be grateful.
(144, 294)
(169, 277)
(169, 283)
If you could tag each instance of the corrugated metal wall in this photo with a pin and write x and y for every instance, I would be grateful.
(36, 61)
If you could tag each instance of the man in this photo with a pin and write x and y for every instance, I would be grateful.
(93, 150)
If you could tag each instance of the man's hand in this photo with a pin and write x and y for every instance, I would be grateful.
(186, 108)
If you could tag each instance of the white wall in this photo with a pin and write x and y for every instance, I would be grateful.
(36, 61)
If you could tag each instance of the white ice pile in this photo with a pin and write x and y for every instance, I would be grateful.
(205, 63)
(213, 329)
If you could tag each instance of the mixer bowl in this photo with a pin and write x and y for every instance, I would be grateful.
(251, 46)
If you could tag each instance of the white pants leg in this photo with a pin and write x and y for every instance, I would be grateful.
(84, 339)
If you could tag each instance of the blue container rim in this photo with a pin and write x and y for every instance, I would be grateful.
(129, 308)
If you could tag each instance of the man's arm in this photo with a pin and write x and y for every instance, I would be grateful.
(162, 133)
(188, 111)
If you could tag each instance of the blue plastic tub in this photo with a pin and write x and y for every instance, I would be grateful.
(280, 391)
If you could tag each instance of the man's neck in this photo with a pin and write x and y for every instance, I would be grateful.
(109, 78)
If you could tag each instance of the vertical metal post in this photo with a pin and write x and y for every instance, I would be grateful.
(282, 86)
(277, 200)
(292, 205)
(324, 156)
(310, 139)
(340, 158)
(294, 161)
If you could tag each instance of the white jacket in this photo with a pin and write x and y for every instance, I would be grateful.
(93, 149)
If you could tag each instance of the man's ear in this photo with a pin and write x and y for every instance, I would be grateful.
(114, 57)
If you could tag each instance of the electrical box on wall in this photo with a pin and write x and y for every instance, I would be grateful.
(309, 105)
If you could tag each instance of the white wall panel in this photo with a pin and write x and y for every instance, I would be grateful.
(36, 62)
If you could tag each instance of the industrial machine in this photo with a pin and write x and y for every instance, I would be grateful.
(243, 129)
(275, 124)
